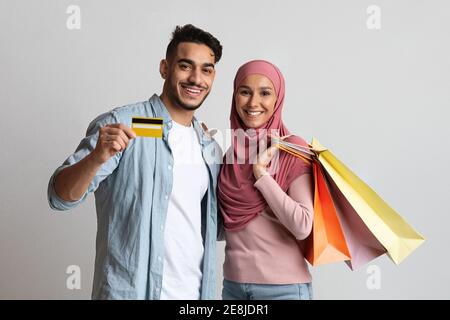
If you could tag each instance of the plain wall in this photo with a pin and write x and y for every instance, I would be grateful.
(379, 99)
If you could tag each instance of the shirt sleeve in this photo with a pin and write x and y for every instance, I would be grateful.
(85, 147)
(294, 209)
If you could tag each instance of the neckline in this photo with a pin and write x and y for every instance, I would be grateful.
(181, 126)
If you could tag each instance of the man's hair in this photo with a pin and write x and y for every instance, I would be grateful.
(190, 33)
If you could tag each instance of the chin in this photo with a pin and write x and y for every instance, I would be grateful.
(186, 104)
(190, 105)
(252, 125)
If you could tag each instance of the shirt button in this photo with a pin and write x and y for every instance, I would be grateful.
(167, 197)
(170, 167)
(159, 258)
(161, 227)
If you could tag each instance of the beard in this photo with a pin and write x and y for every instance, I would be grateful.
(175, 98)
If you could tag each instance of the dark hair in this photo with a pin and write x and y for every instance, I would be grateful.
(190, 33)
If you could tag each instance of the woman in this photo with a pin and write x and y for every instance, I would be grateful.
(265, 216)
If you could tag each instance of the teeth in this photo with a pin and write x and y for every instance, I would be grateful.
(255, 113)
(193, 90)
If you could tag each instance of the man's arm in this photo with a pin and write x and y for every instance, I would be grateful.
(95, 158)
(72, 182)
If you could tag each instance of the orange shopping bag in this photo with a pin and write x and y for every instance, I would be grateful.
(326, 243)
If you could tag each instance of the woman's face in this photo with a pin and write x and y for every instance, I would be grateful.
(255, 100)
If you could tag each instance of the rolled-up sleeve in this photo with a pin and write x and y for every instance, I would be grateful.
(85, 147)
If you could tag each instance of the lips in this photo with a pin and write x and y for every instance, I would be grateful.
(253, 114)
(191, 91)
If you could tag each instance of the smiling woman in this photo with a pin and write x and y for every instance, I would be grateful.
(264, 216)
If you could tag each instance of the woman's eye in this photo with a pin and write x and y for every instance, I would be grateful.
(266, 93)
(245, 92)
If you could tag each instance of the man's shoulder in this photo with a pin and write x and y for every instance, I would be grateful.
(141, 108)
(124, 113)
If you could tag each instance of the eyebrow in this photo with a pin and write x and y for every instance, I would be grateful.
(263, 88)
(191, 62)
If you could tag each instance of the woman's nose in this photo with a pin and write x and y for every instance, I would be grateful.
(253, 101)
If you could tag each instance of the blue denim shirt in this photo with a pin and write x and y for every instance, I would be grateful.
(132, 192)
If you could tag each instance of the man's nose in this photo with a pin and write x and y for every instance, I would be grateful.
(195, 77)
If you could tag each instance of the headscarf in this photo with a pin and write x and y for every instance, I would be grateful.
(239, 200)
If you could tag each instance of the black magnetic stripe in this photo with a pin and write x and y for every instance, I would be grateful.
(152, 121)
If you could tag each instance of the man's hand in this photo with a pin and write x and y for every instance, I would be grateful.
(112, 138)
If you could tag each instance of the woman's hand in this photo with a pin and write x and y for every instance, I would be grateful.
(264, 158)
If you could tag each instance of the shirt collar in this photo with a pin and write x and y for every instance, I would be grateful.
(161, 112)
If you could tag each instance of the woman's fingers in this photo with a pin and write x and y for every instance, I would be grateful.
(287, 136)
(211, 133)
(277, 136)
(267, 155)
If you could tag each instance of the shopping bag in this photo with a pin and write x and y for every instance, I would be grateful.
(390, 229)
(362, 244)
(326, 243)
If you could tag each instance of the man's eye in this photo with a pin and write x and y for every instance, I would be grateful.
(207, 71)
(184, 66)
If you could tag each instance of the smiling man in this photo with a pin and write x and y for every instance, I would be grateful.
(155, 197)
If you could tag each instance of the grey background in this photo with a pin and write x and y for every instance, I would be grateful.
(378, 99)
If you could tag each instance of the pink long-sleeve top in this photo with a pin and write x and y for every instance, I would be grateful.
(268, 249)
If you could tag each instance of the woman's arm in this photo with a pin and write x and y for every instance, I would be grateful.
(294, 209)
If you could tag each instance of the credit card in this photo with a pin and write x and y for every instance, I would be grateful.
(147, 127)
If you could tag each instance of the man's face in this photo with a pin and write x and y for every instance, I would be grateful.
(189, 75)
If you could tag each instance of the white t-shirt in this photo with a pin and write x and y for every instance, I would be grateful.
(182, 273)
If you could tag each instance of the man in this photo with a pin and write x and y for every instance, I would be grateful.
(155, 197)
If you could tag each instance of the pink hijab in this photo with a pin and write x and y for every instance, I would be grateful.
(239, 200)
